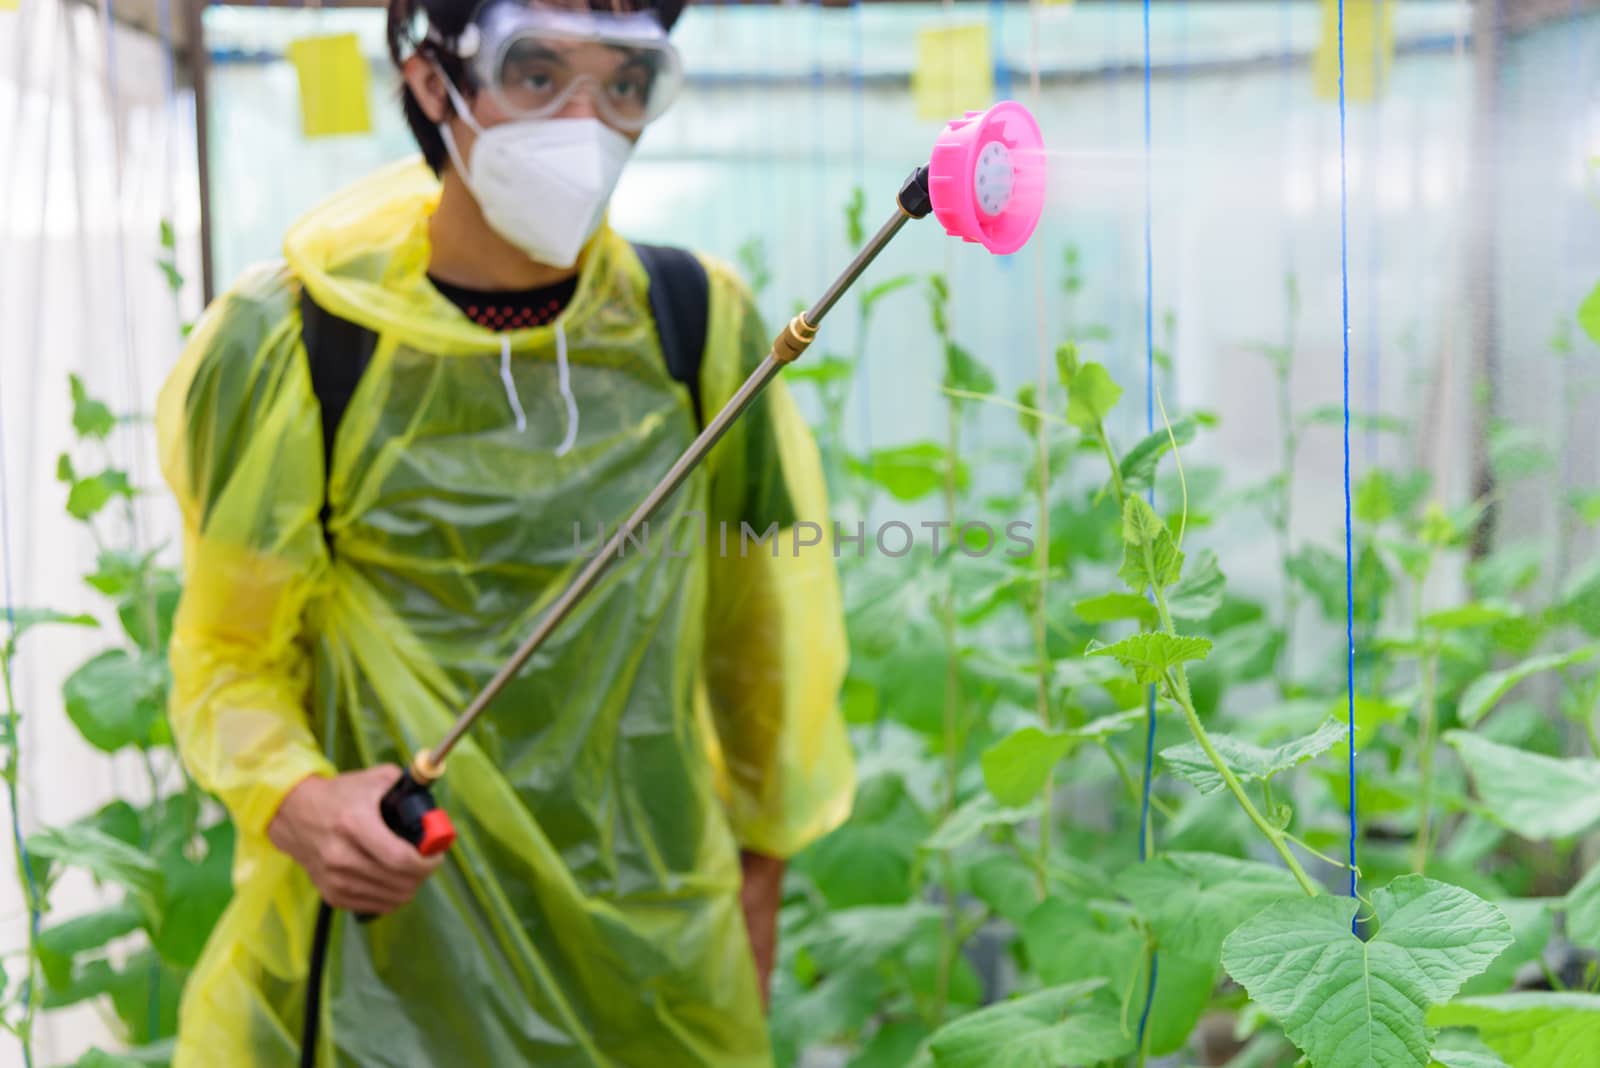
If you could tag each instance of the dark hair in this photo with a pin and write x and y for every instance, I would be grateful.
(450, 17)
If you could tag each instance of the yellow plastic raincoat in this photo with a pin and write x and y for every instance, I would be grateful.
(588, 914)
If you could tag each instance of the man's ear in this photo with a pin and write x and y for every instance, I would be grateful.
(425, 83)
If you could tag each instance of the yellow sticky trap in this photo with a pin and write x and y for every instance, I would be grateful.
(10, 5)
(333, 84)
(1368, 49)
(954, 72)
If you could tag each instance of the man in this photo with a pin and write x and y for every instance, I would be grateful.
(354, 576)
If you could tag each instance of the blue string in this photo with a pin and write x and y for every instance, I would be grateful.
(1149, 422)
(1349, 567)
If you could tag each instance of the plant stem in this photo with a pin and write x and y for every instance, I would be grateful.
(1178, 686)
(1041, 634)
(1132, 784)
(30, 892)
(1430, 670)
(952, 708)
(1111, 461)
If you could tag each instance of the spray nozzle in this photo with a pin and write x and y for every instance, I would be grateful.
(986, 177)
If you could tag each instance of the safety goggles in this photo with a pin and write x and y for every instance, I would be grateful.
(533, 60)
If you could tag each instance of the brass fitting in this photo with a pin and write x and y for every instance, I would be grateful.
(793, 339)
(424, 770)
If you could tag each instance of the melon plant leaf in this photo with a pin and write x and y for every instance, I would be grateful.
(1589, 315)
(1016, 767)
(1322, 574)
(1191, 900)
(1583, 910)
(1111, 607)
(967, 821)
(1247, 760)
(1532, 923)
(909, 472)
(1199, 592)
(1150, 557)
(1534, 795)
(1472, 614)
(1531, 1030)
(1059, 1027)
(1151, 655)
(1353, 1004)
(108, 859)
(1091, 394)
(1486, 690)
(1466, 1058)
(1139, 463)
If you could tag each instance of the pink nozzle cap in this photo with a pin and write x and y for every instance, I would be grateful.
(986, 177)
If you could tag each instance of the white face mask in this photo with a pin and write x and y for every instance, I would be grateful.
(542, 184)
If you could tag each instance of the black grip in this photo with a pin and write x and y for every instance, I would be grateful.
(404, 806)
(405, 809)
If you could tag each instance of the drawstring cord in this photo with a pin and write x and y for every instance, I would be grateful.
(565, 381)
(511, 389)
(564, 378)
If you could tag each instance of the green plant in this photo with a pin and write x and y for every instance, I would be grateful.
(1471, 813)
(164, 860)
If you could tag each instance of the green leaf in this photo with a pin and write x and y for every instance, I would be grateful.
(1531, 1030)
(968, 820)
(1517, 452)
(1110, 607)
(1508, 569)
(1151, 655)
(97, 1058)
(1015, 768)
(1045, 1029)
(1150, 557)
(1580, 598)
(1322, 575)
(1068, 940)
(1138, 465)
(25, 619)
(1005, 884)
(116, 699)
(1192, 900)
(963, 371)
(1589, 315)
(1486, 690)
(1532, 923)
(821, 372)
(909, 472)
(1472, 614)
(866, 935)
(1199, 592)
(1582, 906)
(1459, 1058)
(1091, 394)
(1536, 796)
(1334, 414)
(90, 418)
(1354, 1004)
(62, 942)
(876, 293)
(197, 892)
(892, 1045)
(107, 859)
(855, 229)
(1248, 761)
(1028, 401)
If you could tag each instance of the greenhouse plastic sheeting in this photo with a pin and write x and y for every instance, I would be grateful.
(589, 912)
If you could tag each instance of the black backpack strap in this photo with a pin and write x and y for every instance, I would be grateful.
(338, 352)
(680, 303)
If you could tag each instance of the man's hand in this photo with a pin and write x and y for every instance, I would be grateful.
(761, 893)
(333, 829)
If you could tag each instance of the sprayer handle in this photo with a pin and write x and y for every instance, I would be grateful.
(409, 810)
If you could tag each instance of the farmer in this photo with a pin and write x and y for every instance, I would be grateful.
(385, 448)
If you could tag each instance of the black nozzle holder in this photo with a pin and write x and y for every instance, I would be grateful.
(409, 810)
(914, 198)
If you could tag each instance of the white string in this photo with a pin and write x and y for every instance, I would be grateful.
(511, 388)
(566, 392)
